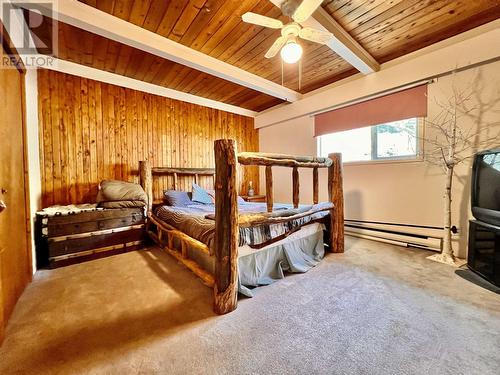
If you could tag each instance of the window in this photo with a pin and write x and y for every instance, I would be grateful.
(391, 141)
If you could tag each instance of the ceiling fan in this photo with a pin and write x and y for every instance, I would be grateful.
(291, 51)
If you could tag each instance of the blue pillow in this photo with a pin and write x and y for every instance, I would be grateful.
(200, 195)
(177, 198)
(212, 196)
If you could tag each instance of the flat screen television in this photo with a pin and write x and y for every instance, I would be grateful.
(485, 200)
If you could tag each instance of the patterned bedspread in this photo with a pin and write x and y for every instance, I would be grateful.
(195, 221)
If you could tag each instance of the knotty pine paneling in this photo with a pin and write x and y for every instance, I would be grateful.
(386, 28)
(91, 131)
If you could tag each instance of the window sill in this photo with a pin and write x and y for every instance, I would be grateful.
(389, 161)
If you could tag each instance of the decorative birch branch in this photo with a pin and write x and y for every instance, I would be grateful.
(451, 144)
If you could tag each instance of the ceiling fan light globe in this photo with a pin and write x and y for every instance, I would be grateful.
(291, 52)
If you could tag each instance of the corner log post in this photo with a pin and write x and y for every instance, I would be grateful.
(269, 188)
(315, 186)
(295, 186)
(336, 196)
(226, 226)
(175, 181)
(146, 181)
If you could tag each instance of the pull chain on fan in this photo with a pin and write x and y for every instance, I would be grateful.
(282, 74)
(300, 74)
(299, 66)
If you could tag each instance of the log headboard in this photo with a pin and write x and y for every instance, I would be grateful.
(147, 172)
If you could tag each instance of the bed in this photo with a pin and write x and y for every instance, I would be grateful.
(265, 251)
(234, 245)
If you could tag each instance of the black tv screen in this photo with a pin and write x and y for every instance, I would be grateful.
(486, 187)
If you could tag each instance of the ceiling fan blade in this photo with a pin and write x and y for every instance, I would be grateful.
(314, 35)
(258, 19)
(305, 10)
(278, 43)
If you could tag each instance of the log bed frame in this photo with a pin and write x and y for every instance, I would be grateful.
(227, 220)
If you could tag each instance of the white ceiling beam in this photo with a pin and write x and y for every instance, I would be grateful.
(84, 71)
(342, 43)
(106, 25)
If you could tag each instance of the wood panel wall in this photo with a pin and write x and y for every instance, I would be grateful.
(91, 131)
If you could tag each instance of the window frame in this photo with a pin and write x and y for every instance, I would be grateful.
(418, 157)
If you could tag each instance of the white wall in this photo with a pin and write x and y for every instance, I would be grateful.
(399, 192)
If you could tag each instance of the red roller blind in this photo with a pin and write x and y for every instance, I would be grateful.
(392, 107)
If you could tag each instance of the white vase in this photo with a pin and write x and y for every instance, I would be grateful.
(250, 192)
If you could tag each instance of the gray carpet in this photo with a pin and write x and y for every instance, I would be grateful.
(377, 309)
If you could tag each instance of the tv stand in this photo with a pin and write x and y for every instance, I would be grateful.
(484, 250)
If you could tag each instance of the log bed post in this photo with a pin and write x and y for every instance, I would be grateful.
(146, 181)
(295, 186)
(226, 226)
(336, 196)
(175, 181)
(269, 188)
(315, 186)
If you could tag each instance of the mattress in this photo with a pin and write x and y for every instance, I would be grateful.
(196, 220)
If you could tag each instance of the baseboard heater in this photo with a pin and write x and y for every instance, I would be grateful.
(398, 234)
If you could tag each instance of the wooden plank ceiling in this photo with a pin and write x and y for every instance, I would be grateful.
(386, 28)
(83, 47)
(215, 28)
